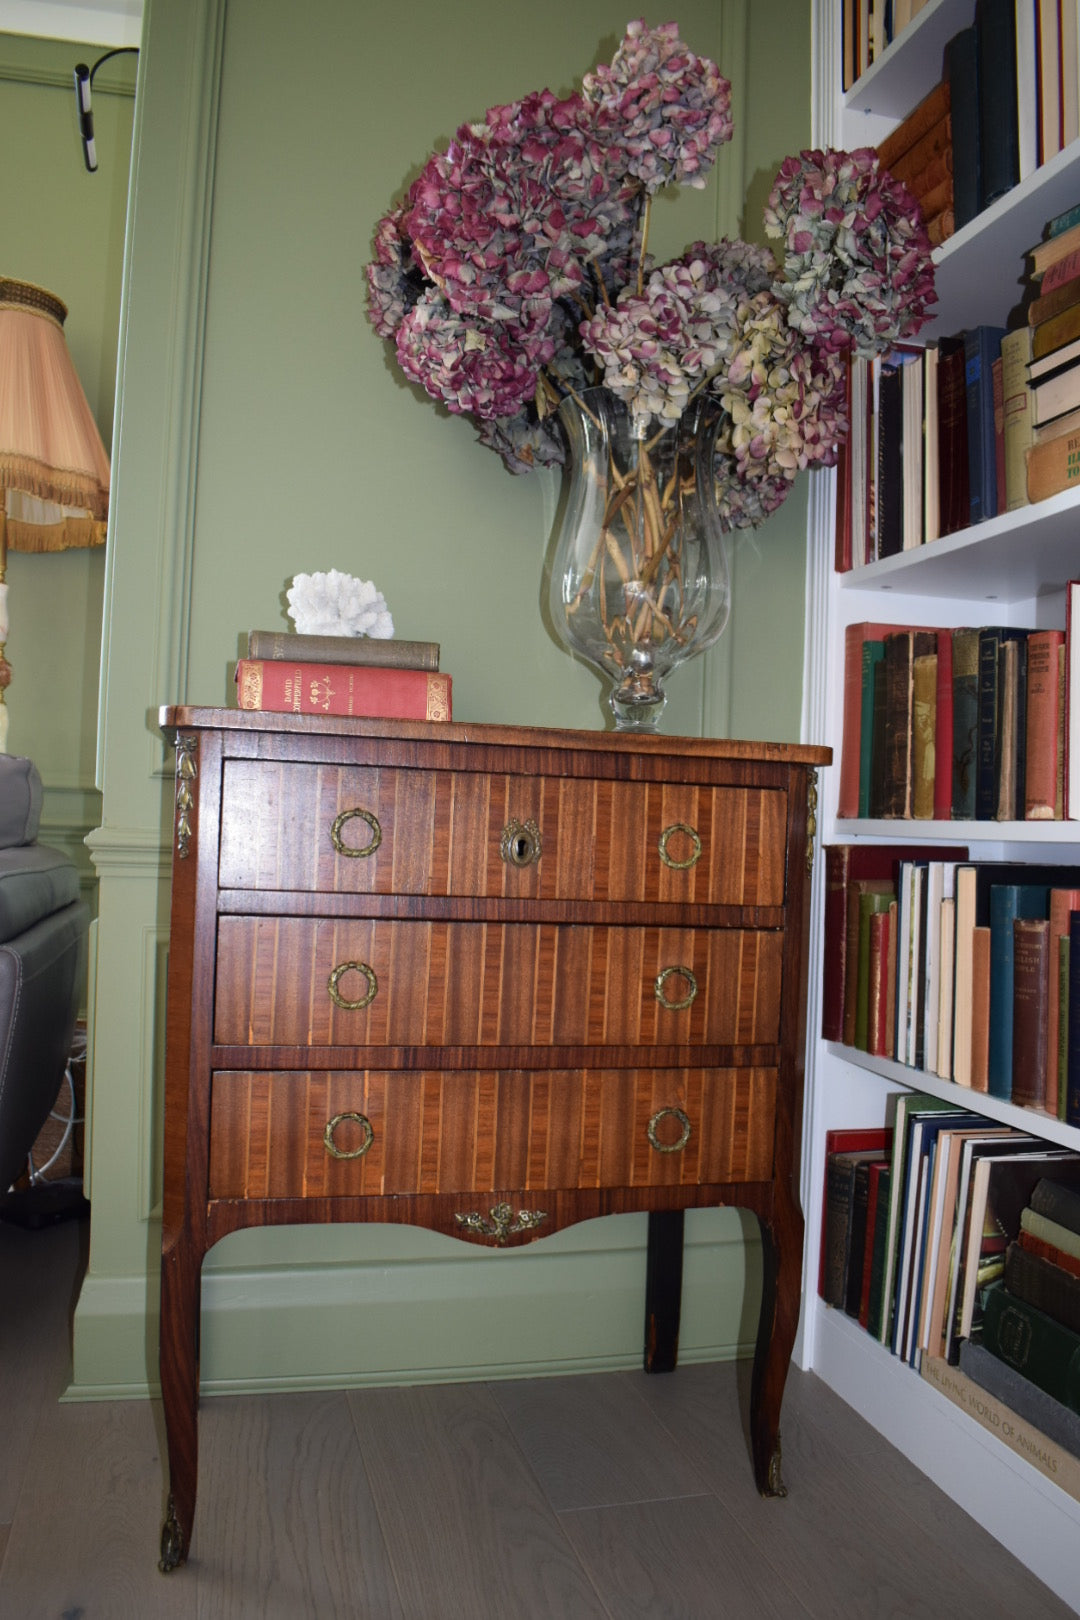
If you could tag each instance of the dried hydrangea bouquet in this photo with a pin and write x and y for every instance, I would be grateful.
(515, 283)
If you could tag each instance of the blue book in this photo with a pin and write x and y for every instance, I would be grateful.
(999, 130)
(982, 346)
(1007, 902)
(962, 72)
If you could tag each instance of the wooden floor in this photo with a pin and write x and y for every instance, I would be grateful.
(581, 1498)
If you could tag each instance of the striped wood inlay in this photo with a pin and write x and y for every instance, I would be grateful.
(492, 984)
(441, 831)
(485, 1131)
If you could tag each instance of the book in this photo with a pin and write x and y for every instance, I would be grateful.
(965, 721)
(1034, 1344)
(877, 1176)
(1072, 1065)
(997, 1398)
(902, 649)
(943, 728)
(875, 1284)
(1048, 67)
(1036, 1244)
(860, 1207)
(999, 156)
(281, 686)
(1027, 89)
(954, 497)
(870, 902)
(1054, 1291)
(855, 635)
(1053, 465)
(1016, 404)
(961, 71)
(388, 652)
(873, 658)
(923, 734)
(930, 111)
(982, 345)
(1053, 302)
(1071, 718)
(950, 1148)
(1058, 1200)
(1062, 902)
(1064, 951)
(923, 1136)
(1063, 270)
(1031, 993)
(856, 1139)
(858, 888)
(845, 864)
(1052, 342)
(1056, 394)
(980, 1008)
(839, 1213)
(1051, 1233)
(1002, 1175)
(1012, 666)
(931, 464)
(946, 982)
(878, 983)
(907, 1106)
(889, 493)
(1041, 759)
(964, 979)
(1008, 901)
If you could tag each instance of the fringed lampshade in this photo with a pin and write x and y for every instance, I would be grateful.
(54, 473)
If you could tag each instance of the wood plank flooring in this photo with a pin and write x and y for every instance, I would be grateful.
(609, 1497)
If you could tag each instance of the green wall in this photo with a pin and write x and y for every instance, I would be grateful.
(263, 432)
(63, 229)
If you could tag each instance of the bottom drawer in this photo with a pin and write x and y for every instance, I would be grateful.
(272, 1136)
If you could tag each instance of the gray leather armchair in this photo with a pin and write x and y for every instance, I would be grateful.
(43, 926)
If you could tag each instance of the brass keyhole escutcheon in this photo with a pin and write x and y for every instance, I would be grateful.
(339, 973)
(658, 1119)
(661, 988)
(520, 843)
(681, 833)
(353, 851)
(367, 1136)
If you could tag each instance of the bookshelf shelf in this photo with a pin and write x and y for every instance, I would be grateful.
(1011, 569)
(1055, 834)
(1032, 1120)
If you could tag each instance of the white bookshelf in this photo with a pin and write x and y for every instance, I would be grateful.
(1012, 569)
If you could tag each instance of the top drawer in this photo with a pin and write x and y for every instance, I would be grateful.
(365, 830)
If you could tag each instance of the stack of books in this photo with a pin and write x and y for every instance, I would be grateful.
(1053, 329)
(343, 675)
(955, 1242)
(919, 152)
(868, 28)
(964, 723)
(969, 970)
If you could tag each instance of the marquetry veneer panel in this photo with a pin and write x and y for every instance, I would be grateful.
(483, 1131)
(477, 984)
(440, 833)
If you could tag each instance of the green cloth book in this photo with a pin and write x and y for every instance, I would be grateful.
(1028, 1340)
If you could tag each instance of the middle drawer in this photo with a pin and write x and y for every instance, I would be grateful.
(349, 982)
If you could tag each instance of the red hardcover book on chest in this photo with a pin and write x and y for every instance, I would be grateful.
(282, 686)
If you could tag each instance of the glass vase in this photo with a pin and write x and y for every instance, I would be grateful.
(639, 579)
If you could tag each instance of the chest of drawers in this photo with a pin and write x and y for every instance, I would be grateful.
(486, 980)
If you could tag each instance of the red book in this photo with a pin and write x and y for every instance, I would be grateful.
(1050, 1251)
(1062, 902)
(1061, 271)
(1043, 724)
(283, 686)
(943, 728)
(876, 1039)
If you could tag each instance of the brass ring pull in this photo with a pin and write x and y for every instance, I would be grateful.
(661, 993)
(669, 1147)
(349, 849)
(695, 846)
(367, 1136)
(520, 843)
(339, 973)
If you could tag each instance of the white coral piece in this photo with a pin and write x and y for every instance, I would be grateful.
(337, 604)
